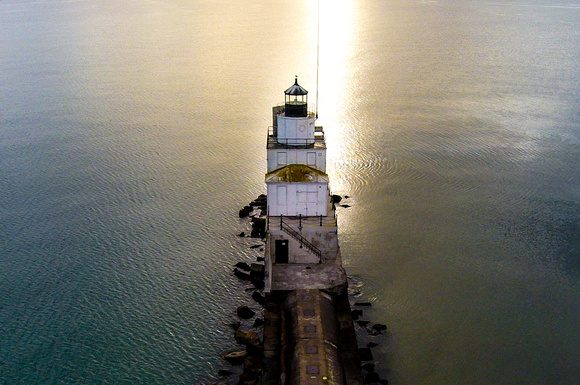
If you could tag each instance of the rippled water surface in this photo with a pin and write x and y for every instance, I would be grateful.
(132, 132)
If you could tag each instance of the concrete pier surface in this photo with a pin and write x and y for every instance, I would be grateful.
(309, 338)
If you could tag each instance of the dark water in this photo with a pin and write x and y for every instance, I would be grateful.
(131, 133)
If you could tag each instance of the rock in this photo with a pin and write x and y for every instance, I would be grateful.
(243, 266)
(245, 312)
(245, 211)
(372, 345)
(256, 296)
(362, 323)
(335, 198)
(363, 304)
(258, 322)
(356, 313)
(258, 284)
(224, 372)
(372, 377)
(242, 234)
(236, 325)
(248, 379)
(242, 275)
(258, 227)
(260, 259)
(243, 337)
(253, 365)
(369, 367)
(257, 271)
(379, 327)
(365, 354)
(235, 358)
(255, 348)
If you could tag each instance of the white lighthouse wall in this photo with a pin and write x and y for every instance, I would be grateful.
(295, 131)
(315, 158)
(293, 199)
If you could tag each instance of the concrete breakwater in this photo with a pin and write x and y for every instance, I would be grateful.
(308, 333)
(312, 329)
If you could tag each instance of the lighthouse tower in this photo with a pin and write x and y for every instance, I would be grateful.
(297, 183)
(294, 138)
(300, 213)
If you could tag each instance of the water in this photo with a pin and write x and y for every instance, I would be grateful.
(132, 132)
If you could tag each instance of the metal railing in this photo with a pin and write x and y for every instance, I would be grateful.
(300, 238)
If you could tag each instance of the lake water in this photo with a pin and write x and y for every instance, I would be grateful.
(131, 132)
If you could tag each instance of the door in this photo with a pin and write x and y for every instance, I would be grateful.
(281, 251)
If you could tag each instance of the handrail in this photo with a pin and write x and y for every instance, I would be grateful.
(299, 237)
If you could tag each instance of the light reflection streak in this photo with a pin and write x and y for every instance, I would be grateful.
(336, 34)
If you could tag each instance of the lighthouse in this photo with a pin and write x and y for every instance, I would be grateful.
(296, 181)
(300, 213)
(309, 336)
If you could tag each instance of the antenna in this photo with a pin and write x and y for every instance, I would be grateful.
(317, 56)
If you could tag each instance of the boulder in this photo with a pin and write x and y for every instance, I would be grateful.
(245, 312)
(257, 271)
(356, 313)
(242, 275)
(379, 327)
(372, 377)
(258, 322)
(243, 266)
(258, 283)
(244, 212)
(253, 365)
(365, 354)
(235, 358)
(258, 297)
(248, 379)
(243, 337)
(255, 348)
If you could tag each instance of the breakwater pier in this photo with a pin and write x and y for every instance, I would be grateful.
(309, 332)
(309, 336)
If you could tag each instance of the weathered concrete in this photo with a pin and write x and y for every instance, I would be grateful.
(307, 276)
(309, 338)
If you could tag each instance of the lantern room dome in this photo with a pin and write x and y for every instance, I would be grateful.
(296, 89)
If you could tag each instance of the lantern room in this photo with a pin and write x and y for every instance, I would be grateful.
(296, 101)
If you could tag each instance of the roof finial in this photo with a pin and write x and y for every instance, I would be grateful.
(296, 79)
